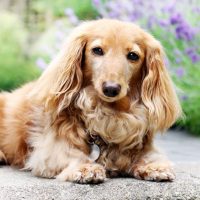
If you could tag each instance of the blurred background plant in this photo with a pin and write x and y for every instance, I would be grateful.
(15, 68)
(33, 31)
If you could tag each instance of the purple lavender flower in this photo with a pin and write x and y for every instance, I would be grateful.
(41, 63)
(178, 56)
(195, 58)
(112, 6)
(151, 21)
(178, 60)
(166, 62)
(69, 12)
(71, 15)
(96, 2)
(184, 97)
(114, 14)
(193, 55)
(169, 8)
(164, 23)
(180, 72)
(137, 2)
(134, 16)
(176, 18)
(196, 10)
(184, 31)
(177, 52)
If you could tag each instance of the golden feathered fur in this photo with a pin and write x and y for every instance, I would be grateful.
(45, 125)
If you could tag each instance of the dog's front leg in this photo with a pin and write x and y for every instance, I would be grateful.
(82, 169)
(57, 157)
(152, 166)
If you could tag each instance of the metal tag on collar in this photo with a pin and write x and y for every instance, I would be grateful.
(95, 153)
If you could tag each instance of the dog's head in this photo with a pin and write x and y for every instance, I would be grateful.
(114, 55)
(118, 59)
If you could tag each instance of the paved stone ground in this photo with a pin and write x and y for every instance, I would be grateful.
(180, 147)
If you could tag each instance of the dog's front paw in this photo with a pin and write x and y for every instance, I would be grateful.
(154, 172)
(85, 173)
(90, 173)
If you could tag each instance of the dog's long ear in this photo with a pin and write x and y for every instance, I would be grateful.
(62, 80)
(69, 77)
(158, 93)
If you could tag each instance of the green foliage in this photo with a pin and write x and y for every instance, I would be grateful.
(83, 9)
(192, 112)
(188, 85)
(15, 69)
(14, 74)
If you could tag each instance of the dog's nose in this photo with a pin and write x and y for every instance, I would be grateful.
(111, 89)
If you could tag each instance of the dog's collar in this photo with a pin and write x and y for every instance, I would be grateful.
(94, 139)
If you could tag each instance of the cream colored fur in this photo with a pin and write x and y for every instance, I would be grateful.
(45, 125)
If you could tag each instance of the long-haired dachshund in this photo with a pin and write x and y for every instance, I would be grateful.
(109, 82)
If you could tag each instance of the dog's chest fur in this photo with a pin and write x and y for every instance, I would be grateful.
(111, 125)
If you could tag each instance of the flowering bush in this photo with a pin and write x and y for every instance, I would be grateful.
(177, 25)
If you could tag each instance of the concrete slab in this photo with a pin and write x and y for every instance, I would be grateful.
(15, 185)
(179, 146)
(183, 149)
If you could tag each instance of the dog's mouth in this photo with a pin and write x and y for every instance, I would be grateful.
(111, 99)
(108, 99)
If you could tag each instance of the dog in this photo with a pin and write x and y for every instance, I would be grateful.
(108, 82)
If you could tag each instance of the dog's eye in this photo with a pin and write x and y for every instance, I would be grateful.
(98, 51)
(132, 56)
